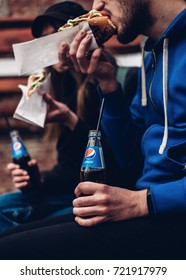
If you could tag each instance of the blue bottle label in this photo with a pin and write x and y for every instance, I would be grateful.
(18, 149)
(93, 157)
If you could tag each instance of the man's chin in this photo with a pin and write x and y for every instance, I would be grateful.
(125, 39)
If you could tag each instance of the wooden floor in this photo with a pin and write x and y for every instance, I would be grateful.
(42, 150)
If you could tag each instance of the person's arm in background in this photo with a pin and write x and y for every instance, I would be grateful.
(65, 175)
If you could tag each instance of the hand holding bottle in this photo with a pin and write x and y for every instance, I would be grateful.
(107, 203)
(20, 177)
(22, 161)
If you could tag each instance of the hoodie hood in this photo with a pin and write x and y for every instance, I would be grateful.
(177, 26)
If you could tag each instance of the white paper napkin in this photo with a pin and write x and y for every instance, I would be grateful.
(33, 109)
(42, 52)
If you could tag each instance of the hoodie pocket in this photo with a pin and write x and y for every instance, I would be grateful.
(177, 154)
(166, 167)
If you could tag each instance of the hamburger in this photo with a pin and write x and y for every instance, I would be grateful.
(101, 25)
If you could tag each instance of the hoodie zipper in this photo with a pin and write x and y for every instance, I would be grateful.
(150, 88)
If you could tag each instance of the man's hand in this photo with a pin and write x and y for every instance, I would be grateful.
(65, 62)
(105, 203)
(95, 63)
(20, 177)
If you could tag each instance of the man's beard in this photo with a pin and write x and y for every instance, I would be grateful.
(135, 22)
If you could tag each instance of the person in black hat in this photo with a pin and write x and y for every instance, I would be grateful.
(74, 97)
(52, 19)
(66, 85)
(56, 15)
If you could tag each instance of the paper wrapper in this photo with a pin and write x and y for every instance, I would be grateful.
(33, 109)
(42, 52)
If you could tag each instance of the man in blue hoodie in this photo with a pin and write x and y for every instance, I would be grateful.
(150, 216)
(156, 120)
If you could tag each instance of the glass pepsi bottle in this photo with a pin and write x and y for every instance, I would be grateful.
(21, 157)
(93, 165)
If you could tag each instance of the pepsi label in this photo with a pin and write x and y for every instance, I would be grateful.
(93, 158)
(18, 149)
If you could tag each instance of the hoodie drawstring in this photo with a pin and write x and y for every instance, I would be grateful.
(165, 91)
(165, 95)
(143, 81)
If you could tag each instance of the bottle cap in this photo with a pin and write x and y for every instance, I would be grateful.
(14, 133)
(94, 133)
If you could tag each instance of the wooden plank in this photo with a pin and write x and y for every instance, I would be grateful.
(9, 85)
(13, 30)
(8, 22)
(11, 36)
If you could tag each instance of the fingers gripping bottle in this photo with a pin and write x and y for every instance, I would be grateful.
(21, 157)
(93, 165)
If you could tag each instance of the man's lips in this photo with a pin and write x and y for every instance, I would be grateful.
(110, 17)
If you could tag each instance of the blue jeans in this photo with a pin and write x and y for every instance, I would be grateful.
(18, 207)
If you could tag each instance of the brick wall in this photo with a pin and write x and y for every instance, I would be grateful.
(31, 8)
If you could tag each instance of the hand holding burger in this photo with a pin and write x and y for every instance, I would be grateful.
(94, 63)
(102, 27)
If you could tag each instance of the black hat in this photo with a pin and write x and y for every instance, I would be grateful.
(61, 12)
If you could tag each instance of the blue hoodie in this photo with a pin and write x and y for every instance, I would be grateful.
(156, 120)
